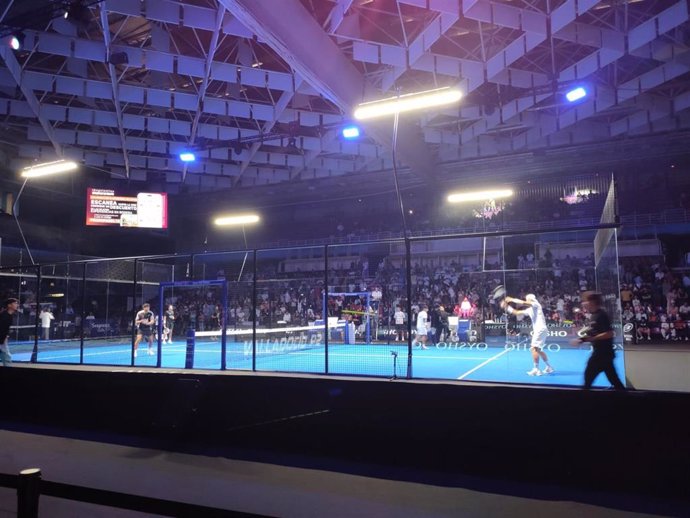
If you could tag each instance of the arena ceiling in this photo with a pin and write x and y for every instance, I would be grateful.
(259, 89)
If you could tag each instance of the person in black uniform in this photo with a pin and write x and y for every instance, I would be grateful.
(145, 320)
(6, 318)
(435, 319)
(600, 334)
(442, 328)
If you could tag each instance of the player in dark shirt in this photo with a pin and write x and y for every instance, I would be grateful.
(600, 334)
(168, 324)
(144, 321)
(6, 317)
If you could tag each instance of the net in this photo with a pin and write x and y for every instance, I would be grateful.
(269, 341)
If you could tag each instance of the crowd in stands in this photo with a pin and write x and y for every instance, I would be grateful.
(492, 215)
(655, 299)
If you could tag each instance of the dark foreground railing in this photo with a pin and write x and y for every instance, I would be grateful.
(30, 486)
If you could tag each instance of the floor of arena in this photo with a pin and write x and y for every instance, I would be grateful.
(495, 361)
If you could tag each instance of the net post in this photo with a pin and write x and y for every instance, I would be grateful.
(408, 277)
(325, 307)
(189, 351)
(34, 352)
(160, 324)
(83, 314)
(368, 310)
(28, 493)
(134, 316)
(254, 308)
(223, 326)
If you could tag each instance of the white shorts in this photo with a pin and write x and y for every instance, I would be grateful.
(539, 338)
(422, 331)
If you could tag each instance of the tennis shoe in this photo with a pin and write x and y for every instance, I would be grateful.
(549, 370)
(534, 372)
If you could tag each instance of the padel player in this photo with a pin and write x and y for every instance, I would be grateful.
(600, 334)
(6, 317)
(422, 326)
(168, 324)
(539, 330)
(144, 321)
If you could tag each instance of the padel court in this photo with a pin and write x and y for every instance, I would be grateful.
(495, 361)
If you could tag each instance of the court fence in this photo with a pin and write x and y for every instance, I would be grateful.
(276, 311)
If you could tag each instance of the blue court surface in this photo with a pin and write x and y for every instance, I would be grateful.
(498, 362)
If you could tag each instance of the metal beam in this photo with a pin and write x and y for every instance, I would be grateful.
(604, 98)
(312, 155)
(654, 109)
(337, 15)
(158, 61)
(213, 46)
(421, 44)
(101, 118)
(16, 71)
(295, 35)
(279, 108)
(162, 98)
(173, 168)
(105, 26)
(7, 10)
(611, 46)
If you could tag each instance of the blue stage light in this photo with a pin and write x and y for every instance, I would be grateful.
(351, 132)
(187, 157)
(576, 94)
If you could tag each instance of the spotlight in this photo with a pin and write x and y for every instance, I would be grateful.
(16, 41)
(77, 13)
(118, 58)
(576, 94)
(187, 156)
(351, 132)
(237, 148)
(292, 145)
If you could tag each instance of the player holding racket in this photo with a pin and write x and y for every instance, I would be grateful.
(144, 321)
(539, 330)
(599, 333)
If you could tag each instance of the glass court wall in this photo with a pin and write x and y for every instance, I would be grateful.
(335, 309)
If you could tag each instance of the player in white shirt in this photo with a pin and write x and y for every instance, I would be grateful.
(539, 330)
(46, 317)
(422, 327)
(399, 316)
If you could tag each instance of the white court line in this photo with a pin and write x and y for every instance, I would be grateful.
(484, 363)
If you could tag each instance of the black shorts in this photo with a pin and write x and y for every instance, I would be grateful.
(400, 328)
(145, 332)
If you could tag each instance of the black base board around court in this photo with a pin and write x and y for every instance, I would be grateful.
(602, 440)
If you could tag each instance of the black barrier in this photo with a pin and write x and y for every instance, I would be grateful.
(28, 493)
(30, 487)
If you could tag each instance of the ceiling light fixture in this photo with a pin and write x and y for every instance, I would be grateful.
(460, 197)
(408, 102)
(239, 219)
(46, 169)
